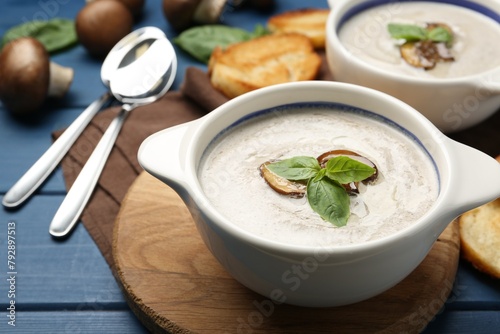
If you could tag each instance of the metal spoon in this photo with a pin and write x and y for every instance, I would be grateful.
(143, 81)
(44, 166)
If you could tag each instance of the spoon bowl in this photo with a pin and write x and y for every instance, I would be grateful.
(144, 80)
(148, 77)
(125, 51)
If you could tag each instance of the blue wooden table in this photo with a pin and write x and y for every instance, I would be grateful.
(66, 286)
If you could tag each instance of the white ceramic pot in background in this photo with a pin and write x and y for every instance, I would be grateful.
(341, 275)
(451, 104)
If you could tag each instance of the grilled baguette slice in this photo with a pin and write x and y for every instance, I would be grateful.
(480, 237)
(308, 21)
(263, 61)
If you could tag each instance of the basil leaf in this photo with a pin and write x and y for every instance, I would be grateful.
(296, 168)
(259, 31)
(329, 199)
(440, 34)
(55, 34)
(200, 41)
(345, 170)
(321, 174)
(407, 32)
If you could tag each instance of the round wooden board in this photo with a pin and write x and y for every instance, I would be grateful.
(173, 284)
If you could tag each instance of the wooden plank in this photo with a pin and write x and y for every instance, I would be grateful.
(123, 321)
(95, 321)
(465, 322)
(23, 143)
(52, 271)
(86, 321)
(473, 290)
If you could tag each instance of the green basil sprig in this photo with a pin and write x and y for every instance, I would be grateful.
(410, 33)
(325, 192)
(55, 34)
(200, 41)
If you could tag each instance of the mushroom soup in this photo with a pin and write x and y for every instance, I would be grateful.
(473, 45)
(405, 188)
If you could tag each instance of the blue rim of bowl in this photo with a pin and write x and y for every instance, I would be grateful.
(334, 106)
(460, 3)
(269, 243)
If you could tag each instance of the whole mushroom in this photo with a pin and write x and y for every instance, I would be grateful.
(27, 77)
(182, 14)
(101, 24)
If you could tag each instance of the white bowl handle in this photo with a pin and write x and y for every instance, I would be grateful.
(160, 155)
(479, 181)
(490, 83)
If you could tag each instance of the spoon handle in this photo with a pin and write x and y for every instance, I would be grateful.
(73, 204)
(44, 166)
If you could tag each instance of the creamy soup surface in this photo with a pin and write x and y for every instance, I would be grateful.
(475, 46)
(229, 174)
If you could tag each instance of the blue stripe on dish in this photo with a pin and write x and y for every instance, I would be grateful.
(462, 3)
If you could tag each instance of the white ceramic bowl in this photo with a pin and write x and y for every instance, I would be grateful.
(451, 104)
(341, 275)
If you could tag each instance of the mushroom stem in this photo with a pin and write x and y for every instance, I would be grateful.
(208, 11)
(60, 80)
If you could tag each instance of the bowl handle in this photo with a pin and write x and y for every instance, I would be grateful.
(160, 155)
(488, 84)
(476, 179)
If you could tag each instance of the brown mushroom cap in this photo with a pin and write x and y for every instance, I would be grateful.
(102, 24)
(28, 77)
(182, 14)
(135, 6)
(25, 75)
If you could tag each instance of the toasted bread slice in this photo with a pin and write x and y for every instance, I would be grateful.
(308, 21)
(480, 237)
(263, 61)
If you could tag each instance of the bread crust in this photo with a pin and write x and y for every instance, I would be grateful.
(480, 237)
(310, 22)
(263, 61)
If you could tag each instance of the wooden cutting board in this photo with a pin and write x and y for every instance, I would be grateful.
(173, 284)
